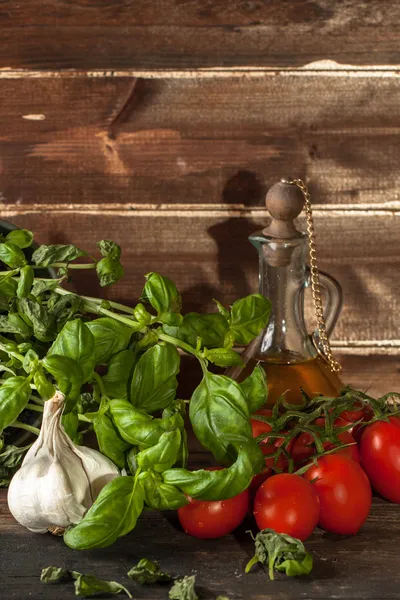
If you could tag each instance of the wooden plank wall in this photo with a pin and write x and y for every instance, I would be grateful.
(162, 124)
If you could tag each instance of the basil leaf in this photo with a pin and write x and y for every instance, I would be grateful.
(14, 396)
(109, 248)
(36, 316)
(109, 270)
(154, 380)
(110, 337)
(8, 287)
(11, 255)
(88, 585)
(63, 308)
(76, 341)
(39, 287)
(148, 572)
(211, 328)
(249, 316)
(48, 255)
(255, 388)
(71, 423)
(12, 456)
(113, 515)
(44, 387)
(110, 443)
(222, 310)
(282, 552)
(20, 237)
(220, 416)
(13, 323)
(162, 455)
(118, 374)
(54, 574)
(159, 495)
(161, 293)
(221, 484)
(223, 357)
(68, 375)
(26, 277)
(183, 589)
(31, 361)
(137, 427)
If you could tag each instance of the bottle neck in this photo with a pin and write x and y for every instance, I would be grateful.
(282, 280)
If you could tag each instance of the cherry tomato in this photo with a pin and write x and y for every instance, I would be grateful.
(350, 451)
(258, 427)
(213, 519)
(279, 463)
(286, 504)
(304, 447)
(344, 493)
(360, 412)
(380, 457)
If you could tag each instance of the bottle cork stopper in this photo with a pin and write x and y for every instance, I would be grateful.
(284, 202)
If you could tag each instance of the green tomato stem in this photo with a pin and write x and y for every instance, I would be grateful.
(25, 426)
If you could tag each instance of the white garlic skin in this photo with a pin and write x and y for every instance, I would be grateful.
(58, 481)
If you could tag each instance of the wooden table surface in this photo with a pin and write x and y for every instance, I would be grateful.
(363, 566)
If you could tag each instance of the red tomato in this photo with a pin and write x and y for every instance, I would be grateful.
(360, 412)
(258, 427)
(350, 451)
(304, 447)
(344, 493)
(380, 457)
(213, 519)
(286, 504)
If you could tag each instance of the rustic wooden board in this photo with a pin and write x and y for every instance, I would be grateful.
(364, 566)
(220, 141)
(210, 257)
(167, 34)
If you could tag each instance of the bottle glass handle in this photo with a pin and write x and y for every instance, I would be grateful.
(334, 298)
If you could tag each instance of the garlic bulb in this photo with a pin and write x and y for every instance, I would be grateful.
(58, 480)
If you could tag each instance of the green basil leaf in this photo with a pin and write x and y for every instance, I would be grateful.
(14, 396)
(154, 380)
(54, 575)
(109, 248)
(255, 388)
(71, 423)
(109, 440)
(141, 315)
(221, 484)
(161, 293)
(249, 316)
(26, 277)
(12, 456)
(148, 572)
(211, 328)
(159, 495)
(88, 585)
(31, 361)
(63, 308)
(220, 416)
(222, 310)
(40, 287)
(162, 455)
(137, 427)
(171, 318)
(109, 270)
(113, 515)
(13, 323)
(48, 255)
(223, 357)
(282, 552)
(36, 316)
(68, 375)
(11, 255)
(183, 589)
(8, 288)
(20, 237)
(118, 374)
(45, 388)
(76, 341)
(110, 337)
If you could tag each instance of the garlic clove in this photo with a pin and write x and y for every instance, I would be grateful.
(58, 480)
